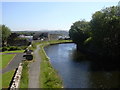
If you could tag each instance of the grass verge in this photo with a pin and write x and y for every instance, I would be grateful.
(6, 58)
(49, 77)
(6, 78)
(24, 77)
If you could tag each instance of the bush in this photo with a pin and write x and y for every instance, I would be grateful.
(23, 47)
(12, 48)
(5, 48)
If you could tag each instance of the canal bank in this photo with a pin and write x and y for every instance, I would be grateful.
(49, 77)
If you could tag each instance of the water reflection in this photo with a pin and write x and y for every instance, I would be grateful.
(77, 71)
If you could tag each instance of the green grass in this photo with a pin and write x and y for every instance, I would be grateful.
(0, 81)
(24, 78)
(17, 51)
(6, 78)
(6, 59)
(49, 77)
(0, 61)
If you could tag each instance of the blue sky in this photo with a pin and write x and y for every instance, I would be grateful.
(20, 16)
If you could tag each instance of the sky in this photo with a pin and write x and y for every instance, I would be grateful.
(33, 16)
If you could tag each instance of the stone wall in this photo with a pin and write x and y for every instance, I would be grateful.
(16, 80)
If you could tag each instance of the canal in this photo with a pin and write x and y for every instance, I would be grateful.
(81, 72)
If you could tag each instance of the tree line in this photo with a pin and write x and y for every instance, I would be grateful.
(11, 41)
(101, 35)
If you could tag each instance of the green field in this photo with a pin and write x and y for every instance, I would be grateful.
(6, 78)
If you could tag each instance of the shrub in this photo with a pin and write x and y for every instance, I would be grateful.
(12, 48)
(23, 47)
(5, 48)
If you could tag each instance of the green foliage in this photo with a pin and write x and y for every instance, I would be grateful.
(101, 35)
(88, 40)
(5, 34)
(13, 48)
(5, 48)
(79, 31)
(105, 26)
(17, 41)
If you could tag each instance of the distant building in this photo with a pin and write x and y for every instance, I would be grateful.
(29, 38)
(53, 36)
(40, 36)
(64, 37)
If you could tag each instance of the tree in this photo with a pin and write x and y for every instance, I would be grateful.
(105, 26)
(11, 39)
(79, 32)
(5, 34)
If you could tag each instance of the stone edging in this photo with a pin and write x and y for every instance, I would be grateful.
(17, 77)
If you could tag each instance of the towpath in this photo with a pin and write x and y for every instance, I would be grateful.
(34, 70)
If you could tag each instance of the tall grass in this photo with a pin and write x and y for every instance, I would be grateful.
(49, 77)
(24, 77)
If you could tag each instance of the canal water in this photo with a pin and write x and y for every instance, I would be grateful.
(81, 72)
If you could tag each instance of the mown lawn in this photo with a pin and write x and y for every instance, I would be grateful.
(6, 78)
(6, 58)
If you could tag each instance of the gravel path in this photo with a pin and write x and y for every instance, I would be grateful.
(14, 63)
(34, 70)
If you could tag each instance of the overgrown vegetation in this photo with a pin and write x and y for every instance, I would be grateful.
(24, 77)
(49, 77)
(100, 36)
